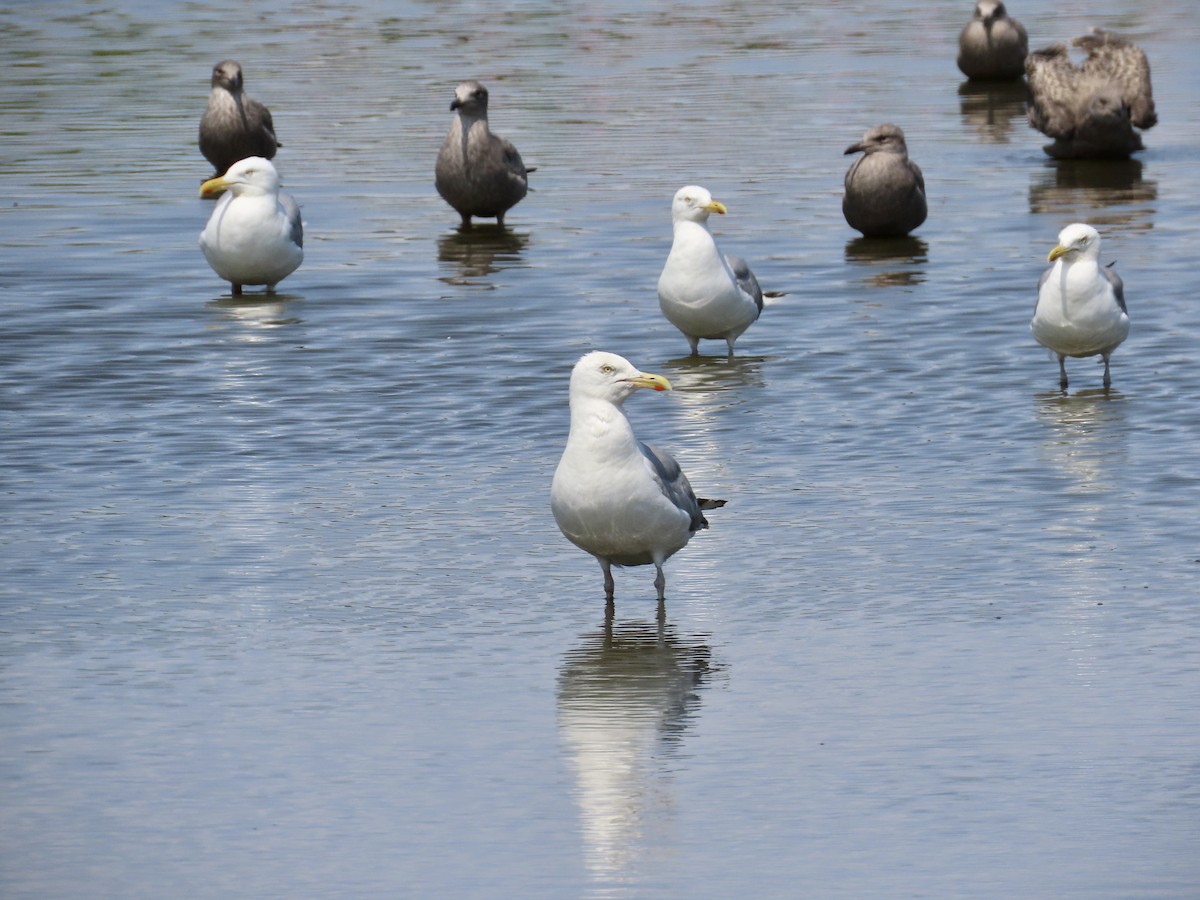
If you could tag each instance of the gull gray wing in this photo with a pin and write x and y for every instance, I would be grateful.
(292, 208)
(1118, 285)
(745, 278)
(673, 483)
(1045, 277)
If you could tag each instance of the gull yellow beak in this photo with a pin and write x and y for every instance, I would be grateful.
(214, 187)
(650, 380)
(715, 206)
(1059, 250)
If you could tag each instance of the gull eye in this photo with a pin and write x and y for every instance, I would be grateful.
(607, 369)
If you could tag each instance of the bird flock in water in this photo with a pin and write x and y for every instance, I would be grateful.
(625, 502)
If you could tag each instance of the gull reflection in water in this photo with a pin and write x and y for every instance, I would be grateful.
(479, 251)
(1099, 192)
(257, 312)
(1085, 436)
(992, 107)
(626, 696)
(893, 262)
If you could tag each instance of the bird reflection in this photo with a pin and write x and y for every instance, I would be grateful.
(1101, 192)
(257, 311)
(480, 251)
(898, 261)
(626, 697)
(1085, 437)
(991, 107)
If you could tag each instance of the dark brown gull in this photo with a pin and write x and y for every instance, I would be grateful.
(993, 45)
(234, 126)
(885, 190)
(478, 173)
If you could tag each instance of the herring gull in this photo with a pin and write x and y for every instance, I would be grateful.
(885, 190)
(1091, 110)
(625, 502)
(1080, 307)
(234, 126)
(992, 46)
(702, 291)
(254, 235)
(477, 172)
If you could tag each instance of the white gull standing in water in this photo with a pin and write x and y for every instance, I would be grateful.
(625, 502)
(254, 235)
(1080, 308)
(702, 291)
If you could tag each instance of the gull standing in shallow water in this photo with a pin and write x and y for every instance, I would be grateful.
(992, 46)
(477, 172)
(234, 126)
(702, 291)
(625, 502)
(885, 190)
(1080, 308)
(254, 236)
(1092, 109)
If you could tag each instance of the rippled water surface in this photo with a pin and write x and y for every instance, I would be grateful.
(285, 613)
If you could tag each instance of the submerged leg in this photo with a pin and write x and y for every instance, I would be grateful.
(1107, 376)
(694, 343)
(235, 289)
(609, 586)
(1062, 371)
(660, 582)
(730, 341)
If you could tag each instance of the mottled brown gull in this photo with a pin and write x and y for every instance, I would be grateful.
(254, 235)
(478, 173)
(1091, 110)
(993, 45)
(625, 502)
(1080, 309)
(234, 126)
(885, 190)
(703, 292)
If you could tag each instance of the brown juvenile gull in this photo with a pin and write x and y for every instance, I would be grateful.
(992, 46)
(234, 126)
(254, 235)
(703, 292)
(477, 172)
(1091, 110)
(625, 502)
(885, 190)
(1080, 307)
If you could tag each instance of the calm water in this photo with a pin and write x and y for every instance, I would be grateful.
(285, 613)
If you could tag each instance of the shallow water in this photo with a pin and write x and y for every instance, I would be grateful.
(285, 612)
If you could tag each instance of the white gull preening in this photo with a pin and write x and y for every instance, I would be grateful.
(1081, 305)
(625, 502)
(703, 292)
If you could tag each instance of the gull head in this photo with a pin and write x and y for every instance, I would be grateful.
(988, 11)
(886, 138)
(693, 204)
(471, 97)
(252, 175)
(612, 378)
(1078, 241)
(227, 74)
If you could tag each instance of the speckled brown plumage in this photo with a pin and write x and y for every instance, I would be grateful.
(1091, 110)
